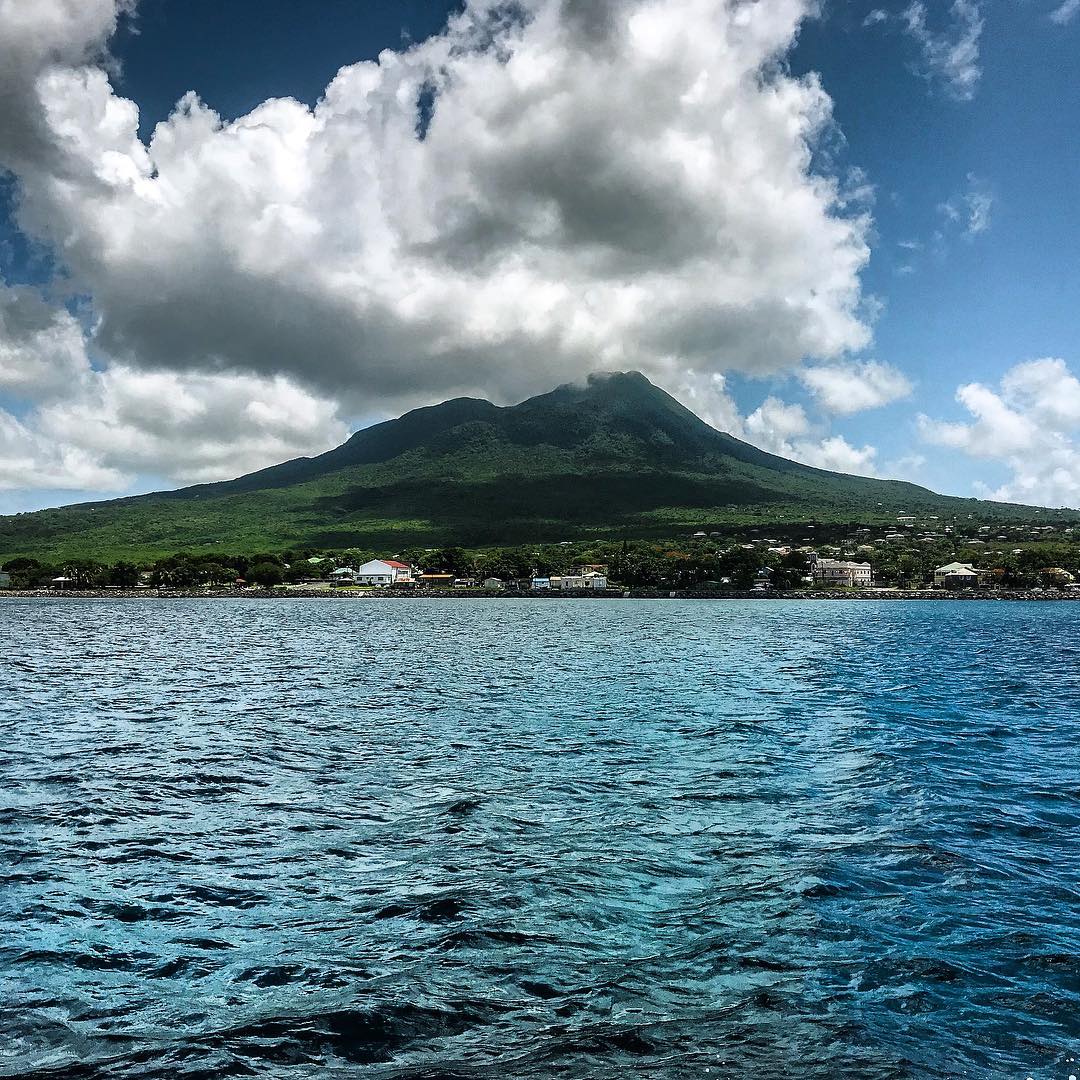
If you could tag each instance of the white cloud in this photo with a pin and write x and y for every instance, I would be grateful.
(42, 350)
(774, 423)
(851, 388)
(950, 56)
(878, 15)
(86, 429)
(1065, 13)
(29, 459)
(785, 429)
(837, 454)
(1030, 424)
(36, 35)
(707, 396)
(192, 428)
(601, 185)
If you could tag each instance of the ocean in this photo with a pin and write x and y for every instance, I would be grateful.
(539, 838)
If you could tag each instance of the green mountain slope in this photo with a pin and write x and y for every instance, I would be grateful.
(616, 457)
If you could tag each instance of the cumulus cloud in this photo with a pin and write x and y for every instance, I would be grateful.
(586, 186)
(777, 426)
(191, 428)
(784, 429)
(854, 387)
(949, 56)
(37, 36)
(42, 347)
(29, 459)
(83, 429)
(1030, 424)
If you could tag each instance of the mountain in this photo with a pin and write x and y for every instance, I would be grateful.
(615, 457)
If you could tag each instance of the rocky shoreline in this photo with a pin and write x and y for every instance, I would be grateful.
(583, 594)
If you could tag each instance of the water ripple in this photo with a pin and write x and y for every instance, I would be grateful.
(429, 839)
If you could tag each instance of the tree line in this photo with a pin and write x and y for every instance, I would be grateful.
(631, 563)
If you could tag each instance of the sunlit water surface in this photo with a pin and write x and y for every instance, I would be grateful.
(539, 838)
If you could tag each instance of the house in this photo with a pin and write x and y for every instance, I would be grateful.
(384, 572)
(842, 572)
(1057, 575)
(539, 583)
(439, 581)
(344, 575)
(5, 580)
(570, 581)
(596, 580)
(493, 583)
(956, 575)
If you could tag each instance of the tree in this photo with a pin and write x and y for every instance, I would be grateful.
(85, 573)
(741, 565)
(26, 573)
(214, 573)
(124, 574)
(266, 573)
(452, 560)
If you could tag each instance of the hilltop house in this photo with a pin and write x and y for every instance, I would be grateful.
(956, 575)
(842, 572)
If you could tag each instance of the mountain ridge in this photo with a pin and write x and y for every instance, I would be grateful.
(613, 456)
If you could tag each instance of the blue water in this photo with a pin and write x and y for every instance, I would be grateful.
(539, 838)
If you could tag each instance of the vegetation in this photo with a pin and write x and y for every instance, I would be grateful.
(1015, 556)
(617, 458)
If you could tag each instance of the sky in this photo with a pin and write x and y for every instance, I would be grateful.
(230, 234)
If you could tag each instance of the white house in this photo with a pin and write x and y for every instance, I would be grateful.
(587, 580)
(541, 583)
(383, 572)
(841, 572)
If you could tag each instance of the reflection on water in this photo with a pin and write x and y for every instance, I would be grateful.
(539, 838)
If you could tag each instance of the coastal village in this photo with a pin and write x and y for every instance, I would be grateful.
(910, 553)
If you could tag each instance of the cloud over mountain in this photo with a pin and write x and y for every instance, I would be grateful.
(543, 189)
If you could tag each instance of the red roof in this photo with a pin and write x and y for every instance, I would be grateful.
(396, 565)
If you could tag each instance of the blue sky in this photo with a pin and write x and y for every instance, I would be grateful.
(952, 140)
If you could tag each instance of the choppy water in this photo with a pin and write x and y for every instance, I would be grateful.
(539, 839)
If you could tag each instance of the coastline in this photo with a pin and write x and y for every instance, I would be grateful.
(486, 594)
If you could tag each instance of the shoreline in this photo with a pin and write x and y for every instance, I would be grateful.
(485, 594)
